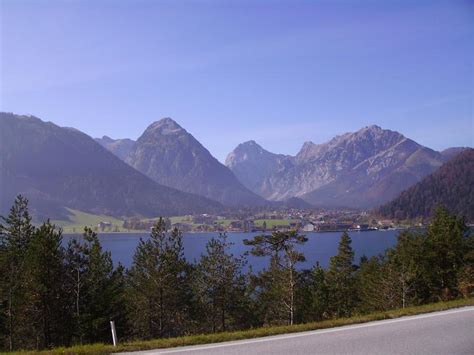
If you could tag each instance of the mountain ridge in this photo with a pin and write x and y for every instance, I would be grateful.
(190, 167)
(356, 169)
(59, 167)
(450, 186)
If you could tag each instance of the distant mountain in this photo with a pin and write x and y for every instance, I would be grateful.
(170, 155)
(254, 165)
(58, 167)
(120, 147)
(452, 185)
(361, 169)
(450, 153)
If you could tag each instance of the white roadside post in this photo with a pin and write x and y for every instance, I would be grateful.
(114, 332)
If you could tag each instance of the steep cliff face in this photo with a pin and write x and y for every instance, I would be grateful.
(171, 156)
(254, 166)
(360, 169)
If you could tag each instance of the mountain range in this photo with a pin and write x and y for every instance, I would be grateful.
(166, 171)
(171, 156)
(56, 167)
(361, 169)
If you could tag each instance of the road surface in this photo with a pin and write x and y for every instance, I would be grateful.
(448, 332)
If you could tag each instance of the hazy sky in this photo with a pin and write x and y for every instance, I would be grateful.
(279, 72)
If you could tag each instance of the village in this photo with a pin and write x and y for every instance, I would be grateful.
(268, 221)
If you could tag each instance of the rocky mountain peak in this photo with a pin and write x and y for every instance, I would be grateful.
(171, 156)
(249, 146)
(165, 126)
(249, 150)
(360, 169)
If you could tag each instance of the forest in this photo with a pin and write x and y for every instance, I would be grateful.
(55, 294)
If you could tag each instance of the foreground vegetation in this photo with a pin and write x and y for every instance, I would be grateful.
(56, 296)
(101, 348)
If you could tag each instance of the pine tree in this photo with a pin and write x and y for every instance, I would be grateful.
(159, 285)
(407, 259)
(46, 296)
(16, 232)
(444, 253)
(220, 283)
(280, 246)
(370, 285)
(340, 278)
(319, 294)
(93, 289)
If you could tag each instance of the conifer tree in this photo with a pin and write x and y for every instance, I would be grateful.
(159, 285)
(16, 231)
(93, 289)
(220, 283)
(281, 247)
(445, 248)
(319, 294)
(46, 296)
(408, 261)
(340, 277)
(369, 283)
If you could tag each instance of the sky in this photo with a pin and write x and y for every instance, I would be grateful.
(278, 72)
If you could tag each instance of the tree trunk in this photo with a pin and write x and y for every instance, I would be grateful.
(10, 319)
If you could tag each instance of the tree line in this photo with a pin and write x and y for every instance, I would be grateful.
(53, 294)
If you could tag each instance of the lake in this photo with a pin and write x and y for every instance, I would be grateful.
(319, 247)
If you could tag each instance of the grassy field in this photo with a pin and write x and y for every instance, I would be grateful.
(254, 333)
(273, 222)
(78, 220)
(175, 219)
(225, 222)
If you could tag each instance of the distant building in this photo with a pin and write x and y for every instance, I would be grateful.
(309, 227)
(104, 224)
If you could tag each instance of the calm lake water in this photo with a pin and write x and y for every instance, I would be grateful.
(319, 247)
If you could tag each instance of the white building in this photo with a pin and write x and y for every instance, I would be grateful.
(309, 227)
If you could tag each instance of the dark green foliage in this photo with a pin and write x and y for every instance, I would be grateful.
(377, 285)
(340, 278)
(445, 248)
(95, 289)
(159, 289)
(407, 261)
(220, 286)
(51, 296)
(16, 232)
(312, 295)
(281, 275)
(45, 295)
(451, 186)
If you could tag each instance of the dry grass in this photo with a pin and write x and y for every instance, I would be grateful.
(253, 333)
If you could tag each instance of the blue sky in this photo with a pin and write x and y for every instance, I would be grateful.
(279, 72)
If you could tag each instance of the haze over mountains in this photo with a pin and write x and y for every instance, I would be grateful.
(168, 172)
(57, 167)
(361, 169)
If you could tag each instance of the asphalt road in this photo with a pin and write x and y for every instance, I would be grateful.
(448, 332)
